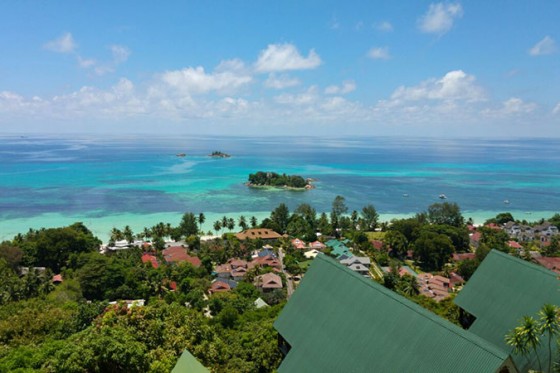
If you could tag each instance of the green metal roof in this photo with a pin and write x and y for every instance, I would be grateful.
(338, 321)
(503, 290)
(187, 363)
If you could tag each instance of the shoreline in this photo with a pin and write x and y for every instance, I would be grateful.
(102, 225)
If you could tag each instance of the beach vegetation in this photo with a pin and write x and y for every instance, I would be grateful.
(273, 179)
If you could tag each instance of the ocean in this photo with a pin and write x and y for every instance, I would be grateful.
(105, 182)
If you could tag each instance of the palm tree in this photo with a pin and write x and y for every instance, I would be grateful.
(217, 226)
(253, 222)
(550, 324)
(230, 224)
(116, 234)
(242, 223)
(201, 218)
(516, 339)
(529, 329)
(408, 285)
(128, 234)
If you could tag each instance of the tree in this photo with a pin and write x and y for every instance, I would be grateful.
(201, 218)
(397, 243)
(280, 216)
(433, 250)
(217, 226)
(242, 223)
(408, 286)
(369, 217)
(445, 213)
(188, 225)
(550, 325)
(12, 254)
(323, 225)
(230, 224)
(501, 218)
(253, 222)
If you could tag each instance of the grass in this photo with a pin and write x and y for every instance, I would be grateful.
(303, 265)
(375, 235)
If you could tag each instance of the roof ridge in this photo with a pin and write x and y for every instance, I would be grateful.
(473, 338)
(525, 263)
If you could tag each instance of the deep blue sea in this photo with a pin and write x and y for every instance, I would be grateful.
(105, 182)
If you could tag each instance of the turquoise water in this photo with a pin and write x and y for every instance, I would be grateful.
(105, 182)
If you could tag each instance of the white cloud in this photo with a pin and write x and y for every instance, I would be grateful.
(440, 17)
(556, 109)
(64, 44)
(280, 81)
(546, 46)
(119, 55)
(455, 85)
(196, 81)
(513, 106)
(283, 57)
(384, 26)
(380, 53)
(308, 97)
(346, 87)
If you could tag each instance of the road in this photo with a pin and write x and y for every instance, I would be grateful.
(289, 284)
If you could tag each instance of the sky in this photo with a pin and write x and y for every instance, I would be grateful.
(263, 68)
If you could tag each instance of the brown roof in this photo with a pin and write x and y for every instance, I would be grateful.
(377, 244)
(459, 257)
(176, 254)
(269, 281)
(264, 261)
(263, 233)
(219, 286)
(57, 279)
(552, 263)
(514, 245)
(237, 263)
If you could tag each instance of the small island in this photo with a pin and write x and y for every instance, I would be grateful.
(218, 154)
(272, 179)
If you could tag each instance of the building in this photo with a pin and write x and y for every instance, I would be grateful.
(358, 264)
(187, 363)
(503, 290)
(262, 233)
(177, 254)
(339, 321)
(148, 258)
(268, 282)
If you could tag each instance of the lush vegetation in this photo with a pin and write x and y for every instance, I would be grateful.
(71, 326)
(276, 180)
(218, 154)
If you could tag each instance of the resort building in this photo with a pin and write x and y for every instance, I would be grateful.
(339, 321)
(503, 290)
(177, 254)
(267, 235)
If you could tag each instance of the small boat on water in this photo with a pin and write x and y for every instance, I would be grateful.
(180, 154)
(442, 196)
(405, 195)
(506, 201)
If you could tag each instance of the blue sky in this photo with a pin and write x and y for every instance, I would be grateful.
(333, 68)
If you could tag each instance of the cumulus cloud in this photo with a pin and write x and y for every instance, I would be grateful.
(63, 44)
(346, 87)
(440, 18)
(194, 80)
(384, 26)
(513, 106)
(455, 85)
(379, 53)
(546, 46)
(280, 81)
(284, 57)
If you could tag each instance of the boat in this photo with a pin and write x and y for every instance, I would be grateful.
(405, 195)
(506, 201)
(180, 154)
(442, 196)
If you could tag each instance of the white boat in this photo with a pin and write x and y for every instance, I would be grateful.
(442, 196)
(506, 201)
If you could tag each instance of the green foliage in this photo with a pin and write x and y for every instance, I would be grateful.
(467, 267)
(189, 225)
(273, 179)
(52, 247)
(370, 217)
(280, 217)
(445, 213)
(432, 250)
(500, 219)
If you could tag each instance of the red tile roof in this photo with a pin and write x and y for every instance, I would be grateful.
(514, 245)
(258, 233)
(269, 281)
(219, 287)
(552, 263)
(377, 244)
(459, 257)
(176, 254)
(57, 279)
(150, 258)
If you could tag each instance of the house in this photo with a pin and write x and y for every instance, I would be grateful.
(317, 245)
(298, 244)
(339, 321)
(268, 282)
(514, 245)
(262, 233)
(235, 269)
(177, 254)
(551, 263)
(187, 363)
(311, 253)
(503, 290)
(259, 303)
(474, 238)
(57, 279)
(266, 261)
(148, 258)
(220, 286)
(435, 287)
(461, 257)
(359, 264)
(377, 245)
